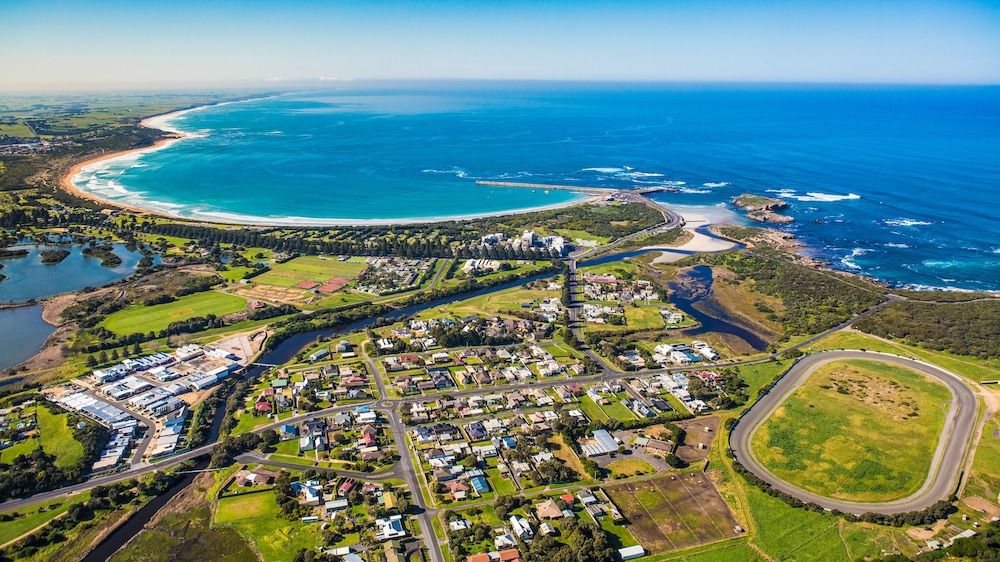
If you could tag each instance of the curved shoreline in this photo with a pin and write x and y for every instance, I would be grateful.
(949, 455)
(161, 122)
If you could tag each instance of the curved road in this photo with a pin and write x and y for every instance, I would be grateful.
(945, 466)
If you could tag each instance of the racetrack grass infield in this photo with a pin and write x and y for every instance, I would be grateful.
(673, 512)
(856, 430)
(143, 319)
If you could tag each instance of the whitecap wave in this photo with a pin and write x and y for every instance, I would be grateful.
(604, 170)
(716, 184)
(905, 222)
(848, 260)
(813, 196)
(455, 171)
(693, 190)
(896, 245)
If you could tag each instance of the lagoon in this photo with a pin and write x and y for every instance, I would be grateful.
(28, 278)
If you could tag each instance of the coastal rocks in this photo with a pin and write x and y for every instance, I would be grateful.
(762, 209)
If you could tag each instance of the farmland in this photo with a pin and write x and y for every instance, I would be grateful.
(674, 512)
(856, 430)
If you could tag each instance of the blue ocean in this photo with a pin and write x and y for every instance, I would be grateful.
(900, 183)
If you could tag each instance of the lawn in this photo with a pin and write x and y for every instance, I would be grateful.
(502, 486)
(310, 268)
(856, 430)
(55, 437)
(143, 319)
(258, 518)
(592, 410)
(972, 367)
(629, 467)
(618, 411)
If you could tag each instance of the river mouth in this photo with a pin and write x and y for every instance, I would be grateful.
(690, 291)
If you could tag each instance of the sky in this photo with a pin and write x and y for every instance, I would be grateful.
(67, 45)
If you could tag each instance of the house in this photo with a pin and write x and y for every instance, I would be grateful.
(458, 490)
(262, 406)
(479, 484)
(548, 509)
(336, 505)
(521, 527)
(586, 497)
(509, 555)
(389, 528)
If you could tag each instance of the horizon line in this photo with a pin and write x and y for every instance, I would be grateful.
(280, 84)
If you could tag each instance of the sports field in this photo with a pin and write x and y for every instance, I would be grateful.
(856, 430)
(674, 512)
(155, 318)
(317, 269)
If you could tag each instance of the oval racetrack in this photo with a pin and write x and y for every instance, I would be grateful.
(948, 457)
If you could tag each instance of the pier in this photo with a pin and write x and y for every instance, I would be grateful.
(585, 189)
(581, 188)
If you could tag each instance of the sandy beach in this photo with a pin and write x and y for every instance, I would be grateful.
(693, 220)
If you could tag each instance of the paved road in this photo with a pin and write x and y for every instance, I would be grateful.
(948, 458)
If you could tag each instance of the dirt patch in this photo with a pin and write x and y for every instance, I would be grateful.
(699, 434)
(885, 395)
(979, 504)
(926, 533)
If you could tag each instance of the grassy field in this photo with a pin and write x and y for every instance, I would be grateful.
(155, 318)
(494, 303)
(183, 537)
(37, 515)
(857, 430)
(55, 437)
(310, 268)
(258, 518)
(674, 512)
(972, 367)
(984, 480)
(629, 467)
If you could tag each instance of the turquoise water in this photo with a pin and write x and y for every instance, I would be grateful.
(900, 183)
